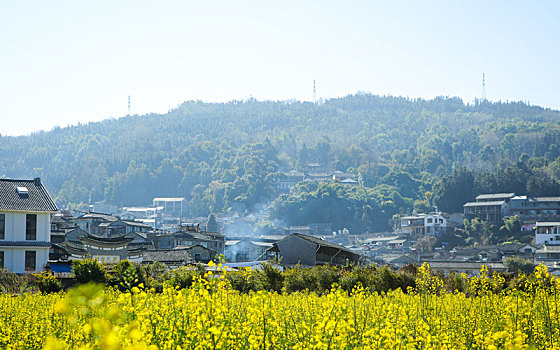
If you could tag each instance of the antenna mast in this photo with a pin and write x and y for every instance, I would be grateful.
(483, 87)
(128, 105)
(314, 93)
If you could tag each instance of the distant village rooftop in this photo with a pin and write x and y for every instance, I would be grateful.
(169, 199)
(547, 224)
(482, 204)
(494, 196)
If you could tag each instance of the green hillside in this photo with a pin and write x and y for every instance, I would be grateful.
(404, 152)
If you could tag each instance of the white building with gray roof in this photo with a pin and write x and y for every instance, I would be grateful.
(25, 225)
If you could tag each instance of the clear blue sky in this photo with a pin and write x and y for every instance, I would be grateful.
(64, 62)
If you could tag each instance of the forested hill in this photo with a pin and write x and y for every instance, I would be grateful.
(220, 155)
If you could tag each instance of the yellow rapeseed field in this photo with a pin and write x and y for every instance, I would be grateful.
(209, 315)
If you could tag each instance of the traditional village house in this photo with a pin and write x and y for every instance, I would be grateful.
(25, 225)
(171, 205)
(189, 236)
(489, 207)
(432, 224)
(340, 176)
(307, 250)
(469, 268)
(91, 222)
(547, 233)
(103, 249)
(317, 229)
(248, 249)
(289, 179)
(529, 210)
(548, 254)
(172, 258)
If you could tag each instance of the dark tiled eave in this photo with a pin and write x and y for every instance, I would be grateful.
(24, 244)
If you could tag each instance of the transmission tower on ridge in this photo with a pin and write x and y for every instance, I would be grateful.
(314, 93)
(128, 105)
(483, 87)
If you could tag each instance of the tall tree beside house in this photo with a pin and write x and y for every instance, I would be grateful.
(519, 265)
(425, 243)
(451, 192)
(212, 224)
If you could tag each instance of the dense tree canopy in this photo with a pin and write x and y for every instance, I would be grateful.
(405, 154)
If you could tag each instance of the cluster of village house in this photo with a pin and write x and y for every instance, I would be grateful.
(538, 215)
(314, 172)
(35, 235)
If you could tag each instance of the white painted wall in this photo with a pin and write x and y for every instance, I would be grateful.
(15, 226)
(14, 257)
(545, 238)
(547, 234)
(437, 221)
(44, 227)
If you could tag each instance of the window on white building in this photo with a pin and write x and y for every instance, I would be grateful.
(2, 226)
(31, 227)
(1, 260)
(30, 260)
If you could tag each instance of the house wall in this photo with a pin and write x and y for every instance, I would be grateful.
(437, 225)
(549, 234)
(15, 226)
(543, 238)
(201, 254)
(14, 257)
(170, 206)
(130, 228)
(165, 242)
(295, 250)
(244, 251)
(491, 213)
(84, 224)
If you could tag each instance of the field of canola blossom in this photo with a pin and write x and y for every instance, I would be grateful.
(210, 315)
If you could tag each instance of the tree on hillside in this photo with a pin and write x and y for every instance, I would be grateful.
(212, 224)
(451, 192)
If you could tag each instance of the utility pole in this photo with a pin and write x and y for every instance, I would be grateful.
(483, 97)
(314, 93)
(128, 105)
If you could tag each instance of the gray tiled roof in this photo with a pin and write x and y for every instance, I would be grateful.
(544, 199)
(460, 265)
(92, 215)
(494, 196)
(37, 199)
(549, 249)
(483, 204)
(106, 240)
(322, 242)
(24, 244)
(548, 223)
(136, 223)
(168, 256)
